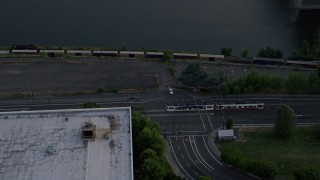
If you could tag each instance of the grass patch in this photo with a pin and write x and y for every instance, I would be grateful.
(78, 93)
(260, 144)
(14, 95)
(105, 90)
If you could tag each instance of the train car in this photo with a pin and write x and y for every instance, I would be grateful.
(267, 61)
(239, 106)
(306, 64)
(189, 107)
(24, 49)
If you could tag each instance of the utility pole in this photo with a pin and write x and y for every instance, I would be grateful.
(221, 110)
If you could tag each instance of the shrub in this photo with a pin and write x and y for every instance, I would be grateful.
(270, 52)
(236, 90)
(234, 158)
(307, 173)
(229, 123)
(264, 169)
(167, 55)
(245, 52)
(227, 51)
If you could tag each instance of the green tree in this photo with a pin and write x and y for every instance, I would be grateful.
(253, 78)
(249, 89)
(224, 89)
(264, 81)
(270, 52)
(276, 82)
(284, 127)
(167, 54)
(204, 178)
(296, 83)
(193, 75)
(245, 52)
(90, 105)
(306, 47)
(138, 123)
(227, 51)
(151, 169)
(236, 89)
(150, 138)
(213, 81)
(147, 154)
(313, 77)
(229, 123)
(240, 82)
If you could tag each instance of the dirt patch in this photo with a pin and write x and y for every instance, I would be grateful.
(58, 76)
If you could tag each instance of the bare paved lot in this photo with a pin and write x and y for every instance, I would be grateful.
(45, 76)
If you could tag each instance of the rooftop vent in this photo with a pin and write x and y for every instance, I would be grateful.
(88, 130)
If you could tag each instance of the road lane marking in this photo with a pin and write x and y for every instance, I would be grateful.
(190, 157)
(197, 155)
(202, 122)
(178, 147)
(178, 160)
(188, 164)
(210, 152)
(209, 120)
(194, 141)
(182, 156)
(196, 173)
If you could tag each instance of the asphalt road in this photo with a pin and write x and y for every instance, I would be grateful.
(185, 132)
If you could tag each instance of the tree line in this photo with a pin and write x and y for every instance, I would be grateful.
(296, 83)
(148, 150)
(308, 51)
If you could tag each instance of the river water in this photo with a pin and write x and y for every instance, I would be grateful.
(188, 25)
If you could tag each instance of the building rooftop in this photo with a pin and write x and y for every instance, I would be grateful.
(225, 133)
(49, 144)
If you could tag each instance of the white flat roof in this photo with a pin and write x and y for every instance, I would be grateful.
(48, 145)
(225, 133)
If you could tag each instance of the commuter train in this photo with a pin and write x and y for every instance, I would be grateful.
(33, 50)
(211, 107)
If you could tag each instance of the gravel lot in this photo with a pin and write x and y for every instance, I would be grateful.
(46, 76)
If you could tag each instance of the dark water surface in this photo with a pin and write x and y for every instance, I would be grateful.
(189, 25)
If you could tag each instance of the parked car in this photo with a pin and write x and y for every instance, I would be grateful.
(170, 91)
